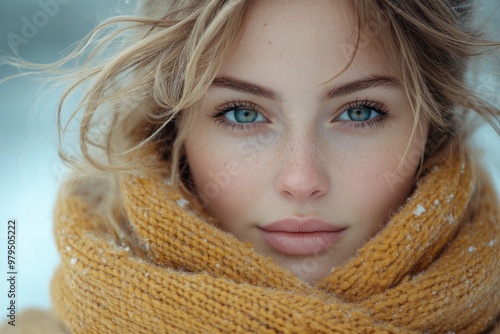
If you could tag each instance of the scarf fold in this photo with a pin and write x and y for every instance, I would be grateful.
(435, 267)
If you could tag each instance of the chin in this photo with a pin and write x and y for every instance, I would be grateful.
(310, 269)
(312, 276)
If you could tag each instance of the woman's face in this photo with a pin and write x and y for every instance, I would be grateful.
(305, 168)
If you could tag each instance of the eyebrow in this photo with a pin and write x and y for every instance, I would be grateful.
(362, 84)
(246, 87)
(344, 89)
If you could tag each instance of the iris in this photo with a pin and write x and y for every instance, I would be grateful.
(244, 115)
(360, 114)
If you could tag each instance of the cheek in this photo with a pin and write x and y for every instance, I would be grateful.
(372, 189)
(223, 178)
(376, 181)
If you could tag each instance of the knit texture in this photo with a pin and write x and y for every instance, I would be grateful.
(434, 268)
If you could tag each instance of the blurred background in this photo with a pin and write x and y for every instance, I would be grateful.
(41, 31)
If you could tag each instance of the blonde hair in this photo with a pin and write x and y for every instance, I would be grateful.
(142, 73)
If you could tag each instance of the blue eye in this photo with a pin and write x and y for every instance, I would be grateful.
(359, 114)
(243, 115)
(239, 116)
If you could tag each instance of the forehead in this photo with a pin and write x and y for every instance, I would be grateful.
(313, 39)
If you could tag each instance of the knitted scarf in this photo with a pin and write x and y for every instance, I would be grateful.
(435, 267)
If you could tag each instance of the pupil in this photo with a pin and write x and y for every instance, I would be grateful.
(245, 116)
(359, 114)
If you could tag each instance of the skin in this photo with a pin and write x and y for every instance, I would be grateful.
(303, 155)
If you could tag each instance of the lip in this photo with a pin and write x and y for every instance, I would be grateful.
(294, 236)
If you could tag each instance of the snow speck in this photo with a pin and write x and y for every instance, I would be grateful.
(167, 182)
(449, 218)
(217, 266)
(419, 210)
(73, 261)
(491, 243)
(127, 249)
(68, 248)
(450, 198)
(182, 202)
(436, 202)
(471, 249)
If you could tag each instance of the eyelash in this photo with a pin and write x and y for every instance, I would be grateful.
(224, 109)
(378, 107)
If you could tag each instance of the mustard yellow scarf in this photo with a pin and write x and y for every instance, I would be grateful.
(435, 267)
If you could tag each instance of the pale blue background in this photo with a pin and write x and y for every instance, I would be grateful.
(30, 169)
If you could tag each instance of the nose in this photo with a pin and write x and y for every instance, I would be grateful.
(301, 177)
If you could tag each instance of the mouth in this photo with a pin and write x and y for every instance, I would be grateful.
(301, 237)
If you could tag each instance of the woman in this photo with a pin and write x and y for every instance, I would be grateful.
(280, 166)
